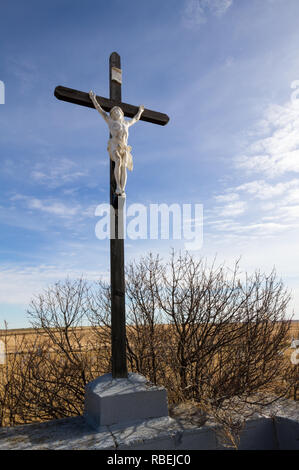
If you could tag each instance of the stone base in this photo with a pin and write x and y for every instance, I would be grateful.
(111, 401)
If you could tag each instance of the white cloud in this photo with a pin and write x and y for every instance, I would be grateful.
(55, 208)
(196, 11)
(57, 173)
(293, 196)
(194, 14)
(272, 207)
(232, 209)
(278, 152)
(19, 285)
(263, 190)
(232, 206)
(218, 7)
(265, 228)
(288, 215)
(233, 228)
(290, 212)
(227, 197)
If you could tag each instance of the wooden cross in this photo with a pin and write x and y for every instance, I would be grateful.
(117, 274)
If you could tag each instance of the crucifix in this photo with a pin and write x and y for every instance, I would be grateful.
(120, 158)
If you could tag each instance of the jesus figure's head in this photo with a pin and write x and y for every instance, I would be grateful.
(116, 113)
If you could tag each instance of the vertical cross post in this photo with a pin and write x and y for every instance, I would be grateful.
(117, 204)
(117, 270)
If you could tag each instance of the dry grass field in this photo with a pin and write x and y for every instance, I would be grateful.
(87, 355)
(26, 338)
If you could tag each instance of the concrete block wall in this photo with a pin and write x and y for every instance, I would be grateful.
(278, 429)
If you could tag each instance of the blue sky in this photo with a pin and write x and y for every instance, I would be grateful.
(221, 69)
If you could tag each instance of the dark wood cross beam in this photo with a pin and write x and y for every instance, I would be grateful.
(81, 98)
(117, 271)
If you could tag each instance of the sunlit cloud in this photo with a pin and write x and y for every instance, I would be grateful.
(231, 209)
(227, 197)
(260, 189)
(277, 152)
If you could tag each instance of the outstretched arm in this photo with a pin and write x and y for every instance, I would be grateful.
(137, 117)
(97, 105)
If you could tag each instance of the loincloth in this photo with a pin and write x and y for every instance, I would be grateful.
(124, 151)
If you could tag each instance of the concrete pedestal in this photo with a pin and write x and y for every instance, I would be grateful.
(111, 401)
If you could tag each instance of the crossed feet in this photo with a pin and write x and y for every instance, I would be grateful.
(119, 192)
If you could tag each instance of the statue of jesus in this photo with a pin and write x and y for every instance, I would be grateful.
(118, 148)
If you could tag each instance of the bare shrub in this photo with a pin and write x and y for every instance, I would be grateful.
(224, 334)
(46, 377)
(211, 335)
(294, 380)
(14, 377)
